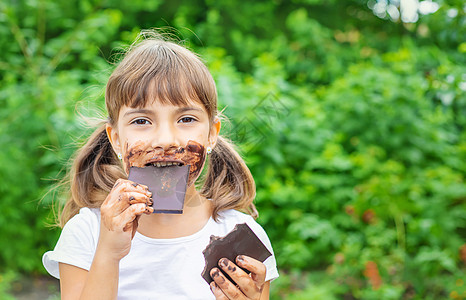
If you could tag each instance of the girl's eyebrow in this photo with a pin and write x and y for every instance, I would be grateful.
(137, 111)
(188, 108)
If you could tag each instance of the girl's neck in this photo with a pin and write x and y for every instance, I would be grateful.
(197, 211)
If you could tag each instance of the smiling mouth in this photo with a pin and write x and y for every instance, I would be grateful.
(163, 164)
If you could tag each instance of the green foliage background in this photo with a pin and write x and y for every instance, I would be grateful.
(353, 126)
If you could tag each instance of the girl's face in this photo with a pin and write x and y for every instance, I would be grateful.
(163, 127)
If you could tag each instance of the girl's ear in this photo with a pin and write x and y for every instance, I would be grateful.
(113, 137)
(214, 131)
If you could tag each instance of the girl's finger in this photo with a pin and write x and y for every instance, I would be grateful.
(245, 283)
(219, 295)
(134, 197)
(124, 200)
(139, 188)
(257, 269)
(122, 185)
(227, 287)
(125, 220)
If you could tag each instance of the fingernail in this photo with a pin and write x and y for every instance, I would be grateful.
(223, 262)
(212, 286)
(214, 272)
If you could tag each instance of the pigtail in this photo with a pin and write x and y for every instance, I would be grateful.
(95, 170)
(228, 181)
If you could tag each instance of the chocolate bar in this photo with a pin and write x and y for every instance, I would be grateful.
(240, 241)
(167, 185)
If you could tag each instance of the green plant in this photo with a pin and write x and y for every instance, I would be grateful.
(353, 127)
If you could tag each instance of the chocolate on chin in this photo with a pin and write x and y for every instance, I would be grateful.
(167, 185)
(240, 241)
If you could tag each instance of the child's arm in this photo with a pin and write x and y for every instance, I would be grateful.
(101, 282)
(249, 286)
(119, 215)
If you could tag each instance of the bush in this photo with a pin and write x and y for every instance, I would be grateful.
(353, 127)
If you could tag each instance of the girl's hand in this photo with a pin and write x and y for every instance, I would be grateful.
(119, 216)
(249, 286)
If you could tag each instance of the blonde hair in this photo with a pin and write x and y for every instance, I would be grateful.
(175, 75)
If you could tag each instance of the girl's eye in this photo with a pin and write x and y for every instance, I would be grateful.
(141, 122)
(187, 120)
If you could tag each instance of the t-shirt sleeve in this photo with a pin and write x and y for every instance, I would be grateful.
(76, 245)
(270, 263)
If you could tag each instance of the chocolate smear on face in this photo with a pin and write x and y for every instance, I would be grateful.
(141, 155)
(168, 183)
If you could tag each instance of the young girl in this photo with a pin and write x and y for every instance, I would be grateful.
(112, 245)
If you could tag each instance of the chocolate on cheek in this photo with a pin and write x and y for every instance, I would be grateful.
(195, 156)
(137, 155)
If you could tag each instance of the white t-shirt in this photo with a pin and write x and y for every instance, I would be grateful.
(154, 268)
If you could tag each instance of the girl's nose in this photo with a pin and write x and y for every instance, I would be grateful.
(166, 138)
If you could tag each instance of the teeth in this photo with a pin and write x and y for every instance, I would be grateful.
(166, 164)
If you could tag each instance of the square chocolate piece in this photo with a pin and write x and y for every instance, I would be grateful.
(167, 185)
(240, 241)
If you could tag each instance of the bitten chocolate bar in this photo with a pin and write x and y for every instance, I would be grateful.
(167, 185)
(240, 241)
